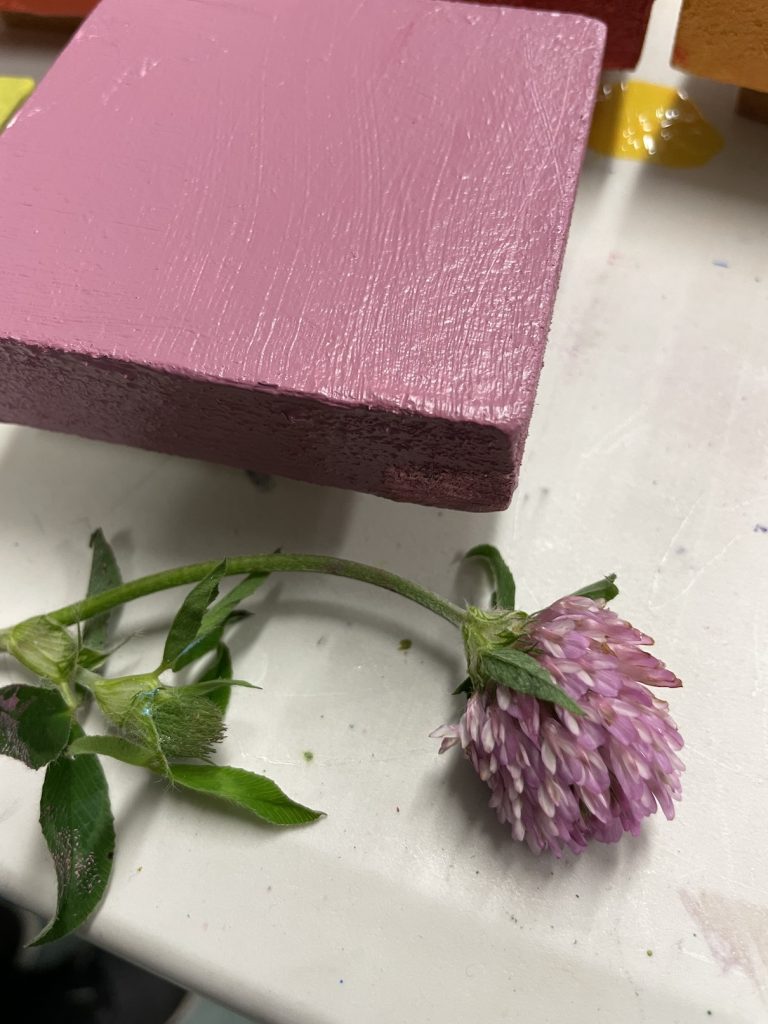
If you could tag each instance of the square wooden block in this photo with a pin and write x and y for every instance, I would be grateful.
(319, 238)
(726, 40)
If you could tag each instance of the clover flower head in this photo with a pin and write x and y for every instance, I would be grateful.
(558, 779)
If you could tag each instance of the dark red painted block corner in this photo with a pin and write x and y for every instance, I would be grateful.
(627, 21)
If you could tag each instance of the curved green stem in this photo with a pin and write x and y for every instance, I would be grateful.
(103, 602)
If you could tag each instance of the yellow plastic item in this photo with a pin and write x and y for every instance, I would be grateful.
(13, 92)
(640, 121)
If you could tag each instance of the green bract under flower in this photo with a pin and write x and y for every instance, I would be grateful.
(488, 630)
(174, 721)
(498, 650)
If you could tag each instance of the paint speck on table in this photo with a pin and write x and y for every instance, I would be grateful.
(13, 92)
(405, 645)
(654, 123)
(734, 930)
(309, 756)
(760, 528)
(721, 263)
(649, 952)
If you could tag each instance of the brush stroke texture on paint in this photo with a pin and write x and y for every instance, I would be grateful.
(313, 237)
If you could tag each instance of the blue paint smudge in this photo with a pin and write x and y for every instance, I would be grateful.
(759, 528)
(721, 263)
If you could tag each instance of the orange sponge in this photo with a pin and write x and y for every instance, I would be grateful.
(726, 40)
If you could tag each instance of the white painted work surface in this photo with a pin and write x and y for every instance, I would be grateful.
(648, 456)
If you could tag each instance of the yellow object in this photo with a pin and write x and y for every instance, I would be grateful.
(13, 92)
(726, 40)
(656, 123)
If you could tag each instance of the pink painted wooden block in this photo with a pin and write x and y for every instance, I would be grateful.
(319, 238)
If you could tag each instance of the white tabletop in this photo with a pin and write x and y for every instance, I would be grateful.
(648, 456)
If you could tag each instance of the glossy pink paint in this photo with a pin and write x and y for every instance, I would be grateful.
(315, 237)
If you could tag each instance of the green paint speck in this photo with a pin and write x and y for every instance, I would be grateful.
(649, 952)
(308, 755)
(405, 645)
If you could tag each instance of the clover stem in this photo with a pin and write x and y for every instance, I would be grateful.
(146, 585)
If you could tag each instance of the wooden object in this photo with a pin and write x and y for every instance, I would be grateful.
(726, 40)
(311, 237)
(753, 105)
(49, 8)
(627, 21)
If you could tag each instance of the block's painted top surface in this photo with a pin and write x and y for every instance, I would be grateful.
(364, 201)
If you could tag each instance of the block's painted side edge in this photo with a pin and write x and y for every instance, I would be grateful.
(704, 67)
(402, 456)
